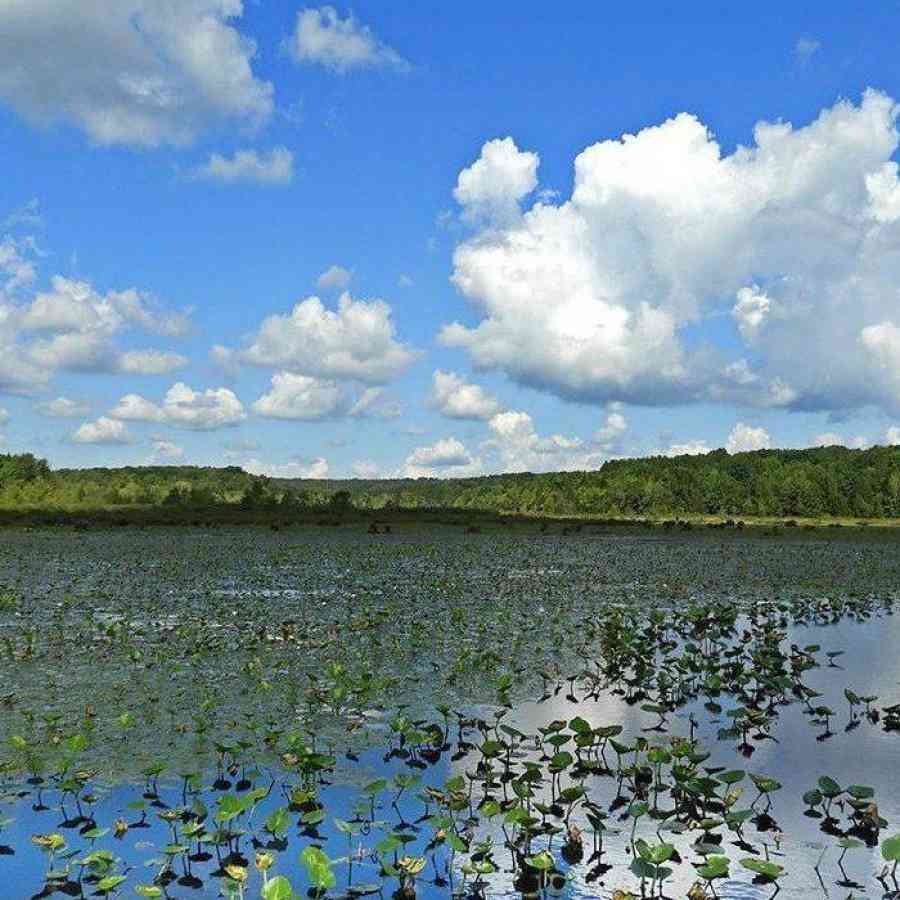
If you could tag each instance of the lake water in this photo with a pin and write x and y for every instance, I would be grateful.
(203, 650)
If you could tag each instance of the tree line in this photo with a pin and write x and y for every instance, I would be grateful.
(825, 481)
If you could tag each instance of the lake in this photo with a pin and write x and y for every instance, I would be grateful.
(605, 709)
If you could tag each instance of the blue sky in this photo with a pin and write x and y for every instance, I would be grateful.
(182, 179)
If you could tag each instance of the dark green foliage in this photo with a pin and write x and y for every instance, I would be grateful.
(826, 481)
(27, 483)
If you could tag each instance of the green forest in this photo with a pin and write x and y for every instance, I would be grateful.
(827, 481)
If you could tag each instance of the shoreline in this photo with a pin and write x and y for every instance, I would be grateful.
(472, 520)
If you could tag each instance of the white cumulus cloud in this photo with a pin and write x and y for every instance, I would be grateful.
(140, 72)
(751, 311)
(300, 397)
(518, 447)
(883, 188)
(495, 183)
(688, 448)
(456, 398)
(165, 451)
(609, 435)
(72, 326)
(103, 431)
(334, 278)
(314, 468)
(321, 36)
(182, 407)
(833, 439)
(358, 341)
(745, 437)
(792, 237)
(446, 458)
(249, 166)
(303, 397)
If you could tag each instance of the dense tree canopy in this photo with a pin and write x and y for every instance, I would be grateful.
(28, 483)
(831, 481)
(827, 481)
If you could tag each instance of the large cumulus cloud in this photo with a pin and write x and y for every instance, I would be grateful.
(358, 341)
(622, 291)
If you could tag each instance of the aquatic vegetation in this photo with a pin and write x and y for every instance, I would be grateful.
(350, 716)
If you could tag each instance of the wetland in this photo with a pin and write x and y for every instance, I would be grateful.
(609, 712)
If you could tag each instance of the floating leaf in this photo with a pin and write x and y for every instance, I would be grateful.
(278, 888)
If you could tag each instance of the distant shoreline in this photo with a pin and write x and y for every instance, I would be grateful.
(825, 487)
(475, 521)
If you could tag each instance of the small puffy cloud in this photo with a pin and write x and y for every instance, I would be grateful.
(495, 183)
(183, 407)
(73, 306)
(4, 416)
(892, 435)
(71, 326)
(516, 446)
(365, 468)
(688, 448)
(446, 452)
(201, 410)
(165, 451)
(334, 278)
(103, 431)
(744, 438)
(249, 166)
(314, 468)
(827, 439)
(300, 397)
(446, 458)
(62, 408)
(406, 281)
(303, 397)
(132, 71)
(321, 36)
(138, 409)
(455, 398)
(806, 48)
(750, 312)
(609, 435)
(833, 439)
(358, 341)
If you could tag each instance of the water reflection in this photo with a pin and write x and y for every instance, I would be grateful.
(502, 591)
